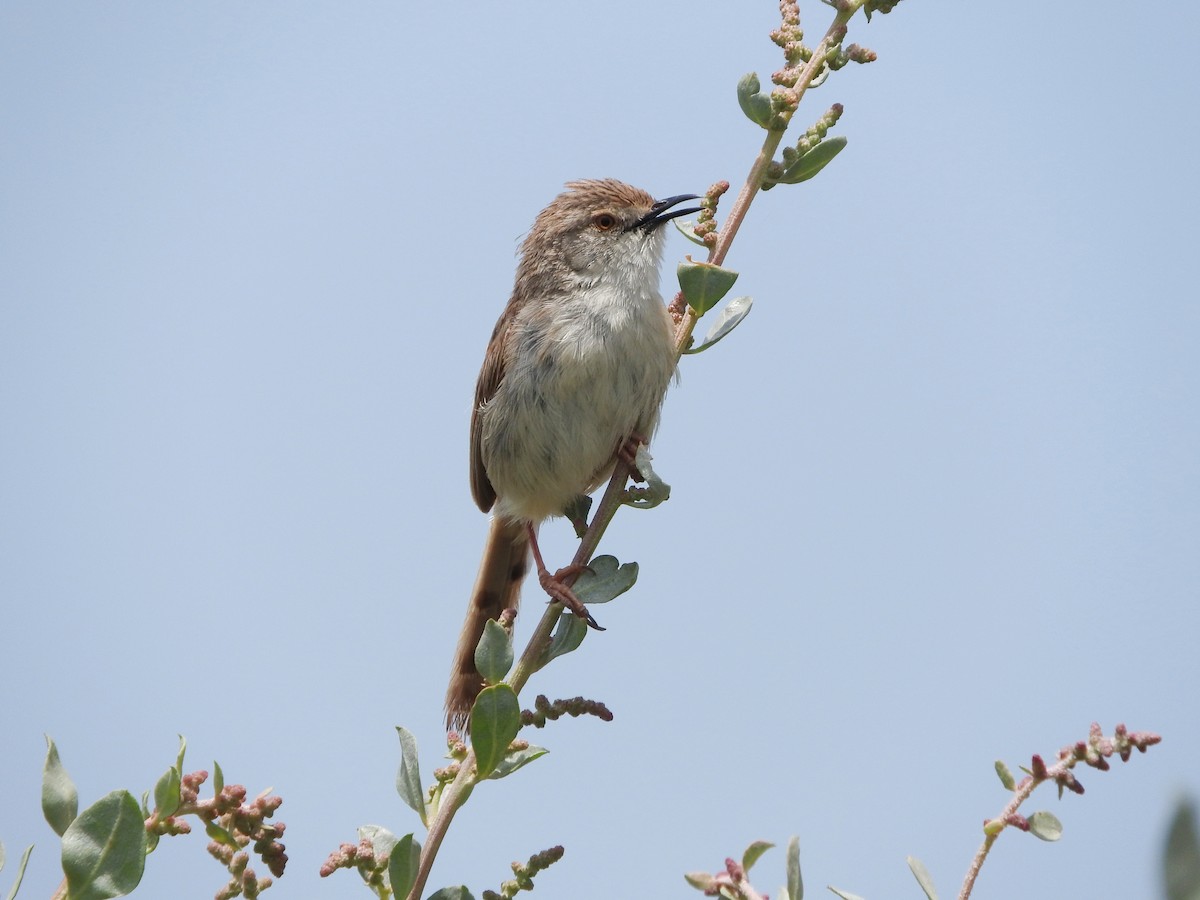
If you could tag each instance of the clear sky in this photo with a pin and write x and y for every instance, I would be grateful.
(935, 502)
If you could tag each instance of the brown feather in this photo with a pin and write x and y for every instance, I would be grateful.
(497, 588)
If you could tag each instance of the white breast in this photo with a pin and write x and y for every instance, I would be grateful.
(586, 371)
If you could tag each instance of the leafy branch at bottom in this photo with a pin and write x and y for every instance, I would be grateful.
(732, 883)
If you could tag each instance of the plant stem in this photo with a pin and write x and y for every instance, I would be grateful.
(454, 796)
(1020, 795)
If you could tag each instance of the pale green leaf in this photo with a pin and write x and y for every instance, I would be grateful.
(495, 721)
(687, 228)
(104, 849)
(701, 881)
(1045, 825)
(166, 793)
(20, 870)
(729, 318)
(403, 864)
(704, 284)
(1005, 776)
(604, 579)
(408, 778)
(517, 759)
(754, 104)
(754, 852)
(382, 840)
(812, 162)
(458, 892)
(1181, 856)
(568, 635)
(60, 799)
(795, 886)
(924, 879)
(494, 653)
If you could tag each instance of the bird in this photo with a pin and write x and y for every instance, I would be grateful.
(574, 373)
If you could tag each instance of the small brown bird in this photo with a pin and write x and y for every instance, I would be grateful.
(576, 368)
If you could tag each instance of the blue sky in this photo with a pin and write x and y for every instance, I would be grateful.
(935, 502)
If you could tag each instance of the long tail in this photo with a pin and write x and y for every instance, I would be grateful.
(497, 587)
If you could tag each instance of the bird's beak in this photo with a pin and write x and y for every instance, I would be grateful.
(659, 212)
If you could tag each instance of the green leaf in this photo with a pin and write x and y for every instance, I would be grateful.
(688, 229)
(701, 881)
(104, 849)
(795, 886)
(728, 319)
(755, 105)
(655, 492)
(408, 778)
(1045, 825)
(704, 284)
(166, 793)
(813, 161)
(179, 757)
(495, 721)
(220, 835)
(518, 758)
(845, 895)
(20, 869)
(753, 852)
(458, 892)
(218, 781)
(382, 840)
(924, 879)
(1181, 856)
(494, 653)
(1006, 777)
(568, 635)
(605, 579)
(60, 799)
(402, 866)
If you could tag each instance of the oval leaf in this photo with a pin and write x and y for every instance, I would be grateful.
(924, 879)
(1006, 777)
(701, 881)
(60, 799)
(517, 759)
(704, 284)
(568, 635)
(605, 579)
(403, 864)
(494, 653)
(688, 230)
(218, 779)
(408, 778)
(813, 161)
(729, 318)
(382, 840)
(1045, 825)
(495, 721)
(458, 892)
(755, 105)
(104, 849)
(1181, 856)
(166, 793)
(795, 886)
(753, 852)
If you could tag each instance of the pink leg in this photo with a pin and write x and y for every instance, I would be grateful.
(556, 586)
(627, 452)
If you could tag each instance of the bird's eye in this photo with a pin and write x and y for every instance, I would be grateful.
(604, 221)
